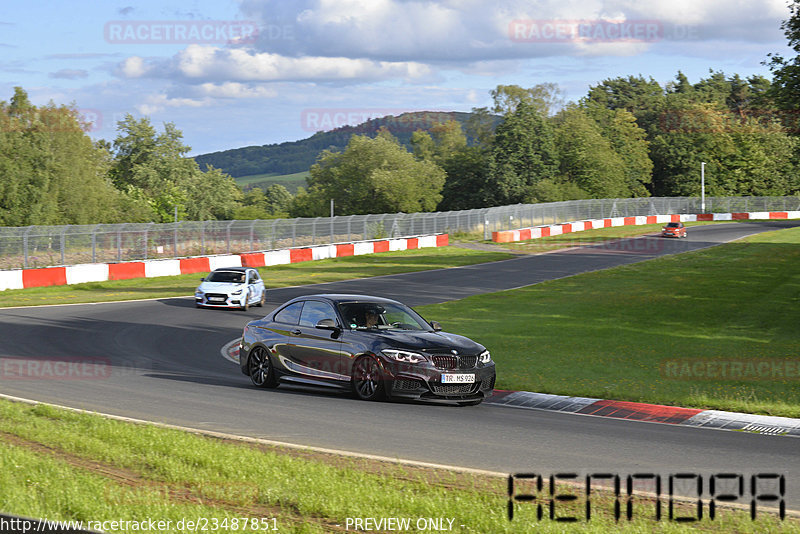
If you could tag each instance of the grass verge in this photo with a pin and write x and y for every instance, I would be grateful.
(64, 465)
(636, 332)
(311, 272)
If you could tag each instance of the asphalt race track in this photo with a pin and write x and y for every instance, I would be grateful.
(166, 366)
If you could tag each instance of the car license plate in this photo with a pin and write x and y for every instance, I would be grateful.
(458, 379)
(216, 299)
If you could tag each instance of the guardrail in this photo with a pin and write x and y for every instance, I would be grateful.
(537, 232)
(101, 272)
(43, 246)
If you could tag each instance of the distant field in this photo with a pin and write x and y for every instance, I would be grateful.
(290, 181)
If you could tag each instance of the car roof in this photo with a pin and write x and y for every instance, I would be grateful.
(235, 269)
(346, 297)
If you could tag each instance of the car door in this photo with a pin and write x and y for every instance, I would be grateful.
(284, 332)
(255, 286)
(318, 350)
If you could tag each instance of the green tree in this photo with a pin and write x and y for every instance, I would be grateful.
(152, 170)
(587, 159)
(467, 176)
(466, 168)
(277, 200)
(52, 172)
(642, 97)
(785, 88)
(743, 156)
(620, 129)
(372, 175)
(545, 98)
(523, 153)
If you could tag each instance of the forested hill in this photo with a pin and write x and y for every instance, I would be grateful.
(298, 156)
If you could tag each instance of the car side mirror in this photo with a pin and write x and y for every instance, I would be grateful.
(436, 326)
(327, 324)
(203, 279)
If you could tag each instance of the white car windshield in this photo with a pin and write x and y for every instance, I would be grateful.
(232, 277)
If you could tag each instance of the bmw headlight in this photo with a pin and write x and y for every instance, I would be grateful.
(403, 356)
(485, 357)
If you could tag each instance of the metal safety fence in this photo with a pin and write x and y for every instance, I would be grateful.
(43, 246)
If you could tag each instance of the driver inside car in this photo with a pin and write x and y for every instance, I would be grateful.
(372, 318)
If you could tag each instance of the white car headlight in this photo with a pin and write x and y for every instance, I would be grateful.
(485, 357)
(237, 292)
(403, 356)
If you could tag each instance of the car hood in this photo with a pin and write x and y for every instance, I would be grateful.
(219, 287)
(430, 341)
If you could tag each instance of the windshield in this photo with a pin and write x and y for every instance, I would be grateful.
(674, 225)
(233, 277)
(381, 316)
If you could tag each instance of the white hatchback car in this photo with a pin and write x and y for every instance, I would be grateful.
(231, 287)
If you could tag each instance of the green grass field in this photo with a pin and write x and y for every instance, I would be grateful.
(63, 465)
(271, 177)
(614, 334)
(311, 272)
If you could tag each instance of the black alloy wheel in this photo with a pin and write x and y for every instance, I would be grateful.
(367, 379)
(259, 367)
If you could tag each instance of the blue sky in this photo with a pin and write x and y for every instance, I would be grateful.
(252, 72)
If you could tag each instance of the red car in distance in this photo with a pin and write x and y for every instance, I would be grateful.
(674, 229)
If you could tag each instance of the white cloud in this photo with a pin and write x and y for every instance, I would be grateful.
(200, 63)
(236, 90)
(357, 41)
(134, 67)
(159, 101)
(456, 31)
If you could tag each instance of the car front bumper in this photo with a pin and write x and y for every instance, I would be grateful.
(426, 384)
(218, 300)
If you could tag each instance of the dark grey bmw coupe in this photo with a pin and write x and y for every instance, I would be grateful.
(373, 346)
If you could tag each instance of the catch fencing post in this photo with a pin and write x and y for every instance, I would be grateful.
(25, 246)
(119, 244)
(94, 243)
(63, 245)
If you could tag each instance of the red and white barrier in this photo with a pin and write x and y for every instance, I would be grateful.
(100, 272)
(535, 232)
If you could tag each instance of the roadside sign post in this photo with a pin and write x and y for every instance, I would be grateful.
(703, 187)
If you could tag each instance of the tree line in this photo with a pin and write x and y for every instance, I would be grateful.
(627, 137)
(52, 173)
